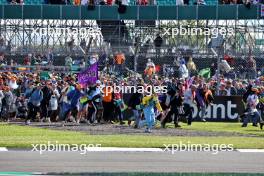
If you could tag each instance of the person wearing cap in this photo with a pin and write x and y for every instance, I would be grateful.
(148, 104)
(252, 112)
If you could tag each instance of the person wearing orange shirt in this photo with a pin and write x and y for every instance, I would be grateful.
(119, 62)
(108, 102)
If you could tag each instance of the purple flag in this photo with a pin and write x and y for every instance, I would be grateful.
(88, 76)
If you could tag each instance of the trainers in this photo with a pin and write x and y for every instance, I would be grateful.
(261, 125)
(255, 125)
(28, 122)
(177, 126)
(72, 119)
(147, 130)
(48, 120)
(203, 120)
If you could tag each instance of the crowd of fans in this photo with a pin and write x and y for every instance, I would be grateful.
(60, 97)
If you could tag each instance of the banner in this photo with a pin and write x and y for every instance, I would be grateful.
(88, 76)
(224, 108)
(44, 75)
(206, 73)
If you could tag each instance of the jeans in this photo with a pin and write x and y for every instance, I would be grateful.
(32, 111)
(170, 114)
(137, 116)
(119, 113)
(203, 110)
(91, 114)
(108, 111)
(255, 118)
(43, 111)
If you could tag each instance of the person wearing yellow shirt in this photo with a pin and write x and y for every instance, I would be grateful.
(148, 104)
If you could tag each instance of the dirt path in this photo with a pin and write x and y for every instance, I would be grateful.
(110, 129)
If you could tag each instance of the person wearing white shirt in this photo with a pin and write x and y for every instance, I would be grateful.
(252, 102)
(189, 100)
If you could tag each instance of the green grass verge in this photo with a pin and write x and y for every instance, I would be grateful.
(14, 136)
(224, 127)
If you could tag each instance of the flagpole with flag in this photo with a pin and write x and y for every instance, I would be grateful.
(89, 76)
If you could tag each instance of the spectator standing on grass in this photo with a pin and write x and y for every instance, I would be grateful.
(45, 101)
(7, 102)
(34, 103)
(175, 104)
(119, 106)
(108, 103)
(208, 95)
(189, 101)
(1, 101)
(200, 100)
(135, 101)
(252, 103)
(149, 102)
(53, 107)
(74, 97)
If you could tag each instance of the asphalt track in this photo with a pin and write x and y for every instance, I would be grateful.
(74, 162)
